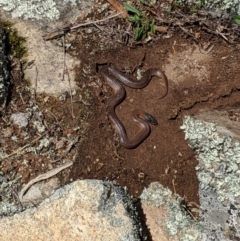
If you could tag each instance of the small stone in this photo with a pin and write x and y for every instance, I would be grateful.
(7, 132)
(141, 175)
(60, 144)
(19, 119)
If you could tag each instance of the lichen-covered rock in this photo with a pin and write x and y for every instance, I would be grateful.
(42, 9)
(31, 9)
(7, 207)
(218, 152)
(4, 73)
(83, 210)
(166, 216)
(232, 6)
(34, 19)
(223, 7)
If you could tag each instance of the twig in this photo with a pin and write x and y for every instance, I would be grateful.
(52, 115)
(65, 69)
(36, 82)
(97, 21)
(187, 32)
(115, 149)
(29, 65)
(20, 94)
(217, 33)
(99, 27)
(42, 177)
(174, 43)
(205, 23)
(190, 213)
(70, 91)
(63, 31)
(223, 36)
(64, 56)
(173, 183)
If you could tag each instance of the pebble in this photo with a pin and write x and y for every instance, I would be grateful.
(19, 119)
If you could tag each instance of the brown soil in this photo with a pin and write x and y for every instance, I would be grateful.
(197, 79)
(203, 75)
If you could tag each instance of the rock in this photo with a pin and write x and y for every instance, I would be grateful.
(31, 9)
(45, 59)
(218, 7)
(166, 218)
(226, 7)
(19, 119)
(214, 135)
(83, 210)
(6, 206)
(47, 10)
(4, 73)
(47, 67)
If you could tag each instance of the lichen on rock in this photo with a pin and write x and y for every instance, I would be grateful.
(218, 172)
(218, 155)
(177, 223)
(232, 6)
(217, 6)
(33, 9)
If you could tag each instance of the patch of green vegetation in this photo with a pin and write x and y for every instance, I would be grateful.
(236, 19)
(142, 24)
(15, 42)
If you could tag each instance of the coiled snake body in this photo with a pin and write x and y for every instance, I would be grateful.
(140, 117)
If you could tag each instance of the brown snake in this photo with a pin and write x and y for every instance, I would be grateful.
(140, 117)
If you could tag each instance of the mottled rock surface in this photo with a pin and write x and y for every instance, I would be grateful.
(214, 135)
(166, 218)
(219, 7)
(45, 60)
(226, 6)
(88, 210)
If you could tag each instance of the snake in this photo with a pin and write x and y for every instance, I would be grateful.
(115, 78)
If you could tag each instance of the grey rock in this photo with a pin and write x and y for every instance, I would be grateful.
(215, 139)
(44, 10)
(222, 7)
(166, 217)
(225, 6)
(88, 210)
(19, 119)
(7, 207)
(34, 19)
(4, 73)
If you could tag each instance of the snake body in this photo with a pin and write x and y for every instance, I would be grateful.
(112, 76)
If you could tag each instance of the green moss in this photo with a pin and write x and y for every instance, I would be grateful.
(15, 42)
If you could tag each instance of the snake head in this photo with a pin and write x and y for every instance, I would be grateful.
(149, 118)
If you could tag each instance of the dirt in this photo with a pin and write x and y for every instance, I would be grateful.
(197, 79)
(201, 76)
